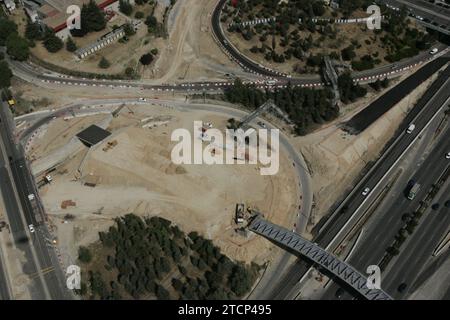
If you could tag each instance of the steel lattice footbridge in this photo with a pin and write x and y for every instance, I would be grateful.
(340, 269)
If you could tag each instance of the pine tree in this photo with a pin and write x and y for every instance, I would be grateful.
(71, 45)
(104, 64)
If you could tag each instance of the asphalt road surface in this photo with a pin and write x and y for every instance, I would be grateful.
(418, 251)
(424, 110)
(436, 15)
(376, 109)
(39, 243)
(381, 234)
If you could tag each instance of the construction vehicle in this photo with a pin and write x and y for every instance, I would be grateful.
(239, 217)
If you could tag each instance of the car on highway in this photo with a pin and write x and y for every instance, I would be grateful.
(447, 156)
(31, 227)
(366, 192)
(411, 128)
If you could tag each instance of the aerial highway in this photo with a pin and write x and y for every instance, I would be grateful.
(388, 219)
(418, 251)
(354, 205)
(37, 246)
(429, 14)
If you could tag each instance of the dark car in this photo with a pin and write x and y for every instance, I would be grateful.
(402, 287)
(435, 206)
(339, 293)
(447, 204)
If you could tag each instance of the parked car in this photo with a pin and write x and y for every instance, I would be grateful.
(31, 227)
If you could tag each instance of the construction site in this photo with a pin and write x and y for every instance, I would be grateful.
(95, 166)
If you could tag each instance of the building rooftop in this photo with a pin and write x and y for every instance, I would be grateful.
(93, 135)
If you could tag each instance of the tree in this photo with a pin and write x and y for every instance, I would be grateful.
(151, 21)
(7, 28)
(103, 63)
(139, 15)
(129, 72)
(53, 44)
(92, 19)
(33, 31)
(348, 53)
(17, 47)
(161, 293)
(128, 29)
(5, 75)
(125, 7)
(146, 59)
(84, 254)
(71, 46)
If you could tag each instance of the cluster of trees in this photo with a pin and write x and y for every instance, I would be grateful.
(401, 40)
(125, 7)
(5, 73)
(281, 41)
(153, 26)
(148, 58)
(34, 32)
(92, 19)
(348, 90)
(142, 252)
(16, 46)
(305, 107)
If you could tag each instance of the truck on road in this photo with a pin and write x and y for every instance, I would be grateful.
(413, 191)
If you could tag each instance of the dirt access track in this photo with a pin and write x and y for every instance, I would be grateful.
(137, 175)
(191, 52)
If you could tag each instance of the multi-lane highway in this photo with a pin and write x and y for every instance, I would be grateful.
(429, 14)
(419, 249)
(388, 220)
(354, 205)
(37, 246)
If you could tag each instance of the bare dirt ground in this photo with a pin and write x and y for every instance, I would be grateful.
(191, 53)
(138, 176)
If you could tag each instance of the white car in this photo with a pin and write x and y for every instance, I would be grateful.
(447, 156)
(366, 192)
(142, 99)
(31, 227)
(411, 128)
(434, 51)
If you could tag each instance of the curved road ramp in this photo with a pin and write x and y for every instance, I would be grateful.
(318, 255)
